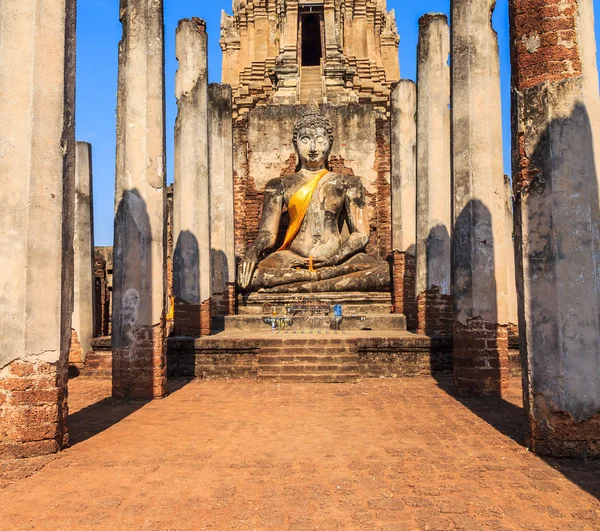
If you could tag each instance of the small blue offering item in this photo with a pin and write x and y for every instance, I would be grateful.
(337, 310)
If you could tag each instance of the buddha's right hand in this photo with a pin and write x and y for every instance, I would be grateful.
(246, 270)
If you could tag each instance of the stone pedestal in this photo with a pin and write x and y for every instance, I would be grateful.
(191, 204)
(557, 223)
(83, 249)
(139, 277)
(479, 268)
(404, 197)
(434, 216)
(37, 113)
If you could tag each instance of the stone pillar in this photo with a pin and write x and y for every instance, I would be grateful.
(222, 234)
(191, 204)
(556, 150)
(479, 269)
(509, 253)
(37, 112)
(404, 197)
(434, 205)
(139, 276)
(83, 249)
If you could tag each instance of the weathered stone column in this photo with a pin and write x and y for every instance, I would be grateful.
(434, 210)
(83, 250)
(191, 203)
(509, 254)
(37, 164)
(222, 234)
(479, 269)
(556, 150)
(404, 198)
(139, 276)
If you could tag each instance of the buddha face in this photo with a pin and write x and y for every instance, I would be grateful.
(313, 147)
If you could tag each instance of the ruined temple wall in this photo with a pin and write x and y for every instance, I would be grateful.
(263, 150)
(261, 38)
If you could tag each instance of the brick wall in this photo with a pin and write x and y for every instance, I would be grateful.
(75, 352)
(435, 317)
(403, 279)
(33, 409)
(102, 299)
(224, 303)
(140, 371)
(384, 190)
(545, 38)
(480, 358)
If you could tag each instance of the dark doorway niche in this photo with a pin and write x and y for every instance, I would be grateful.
(312, 49)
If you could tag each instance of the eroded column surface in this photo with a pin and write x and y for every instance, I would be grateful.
(37, 164)
(479, 269)
(83, 250)
(509, 254)
(191, 203)
(556, 136)
(139, 275)
(222, 235)
(404, 197)
(434, 216)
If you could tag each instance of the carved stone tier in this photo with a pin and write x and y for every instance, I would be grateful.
(353, 303)
(269, 44)
(318, 323)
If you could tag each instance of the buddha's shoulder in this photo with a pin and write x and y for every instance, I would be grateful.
(350, 181)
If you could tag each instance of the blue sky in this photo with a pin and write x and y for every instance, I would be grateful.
(98, 35)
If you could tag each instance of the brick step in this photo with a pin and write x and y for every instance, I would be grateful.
(295, 368)
(308, 350)
(320, 342)
(275, 359)
(309, 378)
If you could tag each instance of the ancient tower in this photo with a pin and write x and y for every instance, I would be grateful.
(301, 51)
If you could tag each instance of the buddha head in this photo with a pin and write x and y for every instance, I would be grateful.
(313, 139)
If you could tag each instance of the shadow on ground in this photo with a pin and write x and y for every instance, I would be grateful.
(100, 416)
(509, 420)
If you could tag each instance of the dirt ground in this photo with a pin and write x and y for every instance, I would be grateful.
(380, 454)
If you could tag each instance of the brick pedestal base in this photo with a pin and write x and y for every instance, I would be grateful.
(205, 318)
(480, 358)
(192, 320)
(434, 310)
(223, 303)
(76, 357)
(33, 409)
(404, 280)
(140, 370)
(556, 433)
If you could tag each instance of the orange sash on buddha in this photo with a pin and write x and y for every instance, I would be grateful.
(298, 206)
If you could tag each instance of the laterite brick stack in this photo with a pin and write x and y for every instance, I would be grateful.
(140, 370)
(33, 409)
(481, 358)
(403, 279)
(435, 318)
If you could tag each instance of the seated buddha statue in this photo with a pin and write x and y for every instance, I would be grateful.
(313, 257)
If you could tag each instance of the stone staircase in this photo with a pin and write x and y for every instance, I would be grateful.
(311, 84)
(319, 359)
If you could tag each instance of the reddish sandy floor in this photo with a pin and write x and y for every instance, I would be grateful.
(380, 454)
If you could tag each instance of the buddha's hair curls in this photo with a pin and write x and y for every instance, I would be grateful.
(311, 120)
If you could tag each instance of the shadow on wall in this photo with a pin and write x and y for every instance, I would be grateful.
(220, 271)
(438, 254)
(132, 269)
(186, 285)
(474, 251)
